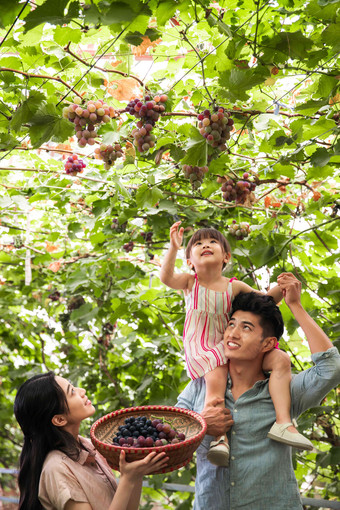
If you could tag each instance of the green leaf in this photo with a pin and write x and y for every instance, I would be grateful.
(148, 196)
(293, 44)
(235, 82)
(311, 106)
(165, 11)
(84, 314)
(27, 110)
(197, 152)
(320, 157)
(47, 124)
(51, 11)
(330, 36)
(119, 12)
(64, 35)
(8, 12)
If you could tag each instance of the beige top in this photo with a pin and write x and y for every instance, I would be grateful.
(89, 480)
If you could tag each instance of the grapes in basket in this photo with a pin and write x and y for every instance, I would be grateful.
(143, 432)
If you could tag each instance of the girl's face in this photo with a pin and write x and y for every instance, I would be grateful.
(80, 407)
(206, 252)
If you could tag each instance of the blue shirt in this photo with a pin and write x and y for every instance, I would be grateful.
(260, 475)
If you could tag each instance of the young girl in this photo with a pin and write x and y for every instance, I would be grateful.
(60, 469)
(208, 296)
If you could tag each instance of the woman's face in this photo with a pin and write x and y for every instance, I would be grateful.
(80, 407)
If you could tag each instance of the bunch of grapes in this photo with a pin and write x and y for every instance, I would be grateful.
(128, 246)
(142, 432)
(73, 165)
(86, 118)
(148, 113)
(55, 295)
(240, 231)
(195, 174)
(215, 127)
(147, 236)
(237, 191)
(109, 154)
(117, 226)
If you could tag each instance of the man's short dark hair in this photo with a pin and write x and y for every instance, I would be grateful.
(264, 306)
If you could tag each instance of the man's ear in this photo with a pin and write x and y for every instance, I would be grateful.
(59, 420)
(269, 343)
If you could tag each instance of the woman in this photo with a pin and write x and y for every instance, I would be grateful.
(60, 470)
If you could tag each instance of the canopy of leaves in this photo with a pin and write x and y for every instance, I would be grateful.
(73, 298)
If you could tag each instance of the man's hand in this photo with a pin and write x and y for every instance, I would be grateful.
(219, 419)
(176, 236)
(291, 288)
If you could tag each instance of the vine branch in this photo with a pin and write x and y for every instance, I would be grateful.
(121, 73)
(40, 76)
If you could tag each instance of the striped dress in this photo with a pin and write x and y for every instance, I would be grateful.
(206, 319)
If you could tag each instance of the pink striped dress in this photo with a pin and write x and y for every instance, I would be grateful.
(206, 319)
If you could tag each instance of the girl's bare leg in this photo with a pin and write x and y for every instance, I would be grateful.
(216, 383)
(278, 362)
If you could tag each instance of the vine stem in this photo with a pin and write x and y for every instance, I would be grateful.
(201, 62)
(121, 73)
(315, 227)
(54, 173)
(42, 76)
(301, 278)
(92, 65)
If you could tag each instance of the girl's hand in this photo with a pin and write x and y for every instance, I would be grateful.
(176, 236)
(291, 288)
(139, 468)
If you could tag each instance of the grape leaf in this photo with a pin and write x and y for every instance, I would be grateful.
(320, 157)
(8, 12)
(47, 124)
(27, 110)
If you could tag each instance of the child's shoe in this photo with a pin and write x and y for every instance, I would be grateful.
(279, 433)
(218, 453)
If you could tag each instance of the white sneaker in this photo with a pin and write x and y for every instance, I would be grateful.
(279, 433)
(218, 453)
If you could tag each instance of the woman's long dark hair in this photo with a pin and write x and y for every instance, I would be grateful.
(37, 401)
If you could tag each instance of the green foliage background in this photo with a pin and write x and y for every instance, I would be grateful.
(99, 315)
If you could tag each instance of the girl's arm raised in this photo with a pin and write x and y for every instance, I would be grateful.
(239, 286)
(167, 274)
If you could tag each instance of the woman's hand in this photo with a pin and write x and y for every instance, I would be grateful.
(137, 469)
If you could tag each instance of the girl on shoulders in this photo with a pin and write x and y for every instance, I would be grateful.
(208, 297)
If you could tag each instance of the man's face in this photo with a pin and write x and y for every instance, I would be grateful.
(243, 338)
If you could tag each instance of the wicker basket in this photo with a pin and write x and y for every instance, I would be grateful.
(180, 454)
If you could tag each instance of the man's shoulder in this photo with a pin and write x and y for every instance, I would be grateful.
(192, 395)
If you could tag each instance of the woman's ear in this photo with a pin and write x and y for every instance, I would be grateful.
(59, 420)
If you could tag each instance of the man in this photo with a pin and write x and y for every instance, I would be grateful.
(260, 475)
